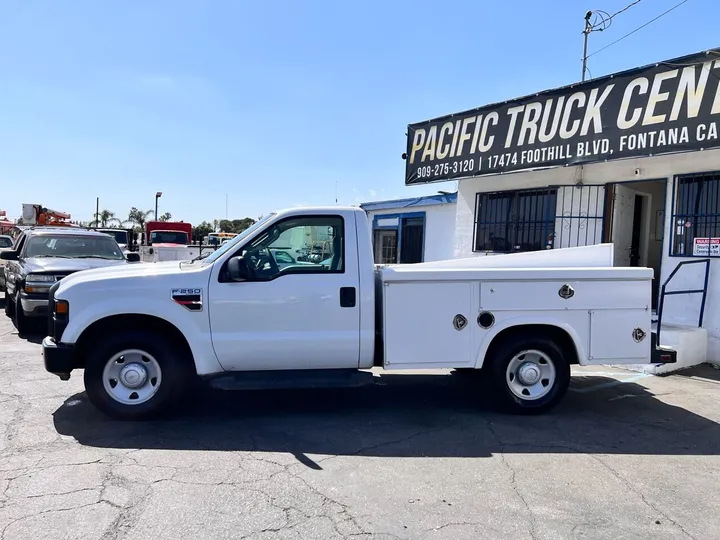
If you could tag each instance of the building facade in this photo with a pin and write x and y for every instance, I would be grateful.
(631, 159)
(421, 229)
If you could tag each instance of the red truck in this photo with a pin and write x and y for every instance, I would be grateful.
(167, 233)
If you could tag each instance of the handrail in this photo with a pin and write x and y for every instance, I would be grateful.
(663, 293)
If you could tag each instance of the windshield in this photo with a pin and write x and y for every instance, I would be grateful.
(168, 237)
(73, 247)
(237, 240)
(5, 242)
(120, 236)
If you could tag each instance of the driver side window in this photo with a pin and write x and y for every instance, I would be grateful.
(297, 245)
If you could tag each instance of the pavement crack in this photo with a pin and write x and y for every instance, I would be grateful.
(386, 443)
(640, 494)
(513, 481)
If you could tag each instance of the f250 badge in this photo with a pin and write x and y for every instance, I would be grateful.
(190, 299)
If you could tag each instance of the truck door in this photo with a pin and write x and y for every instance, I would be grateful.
(292, 316)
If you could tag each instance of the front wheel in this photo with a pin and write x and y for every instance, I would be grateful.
(19, 318)
(530, 375)
(136, 375)
(9, 306)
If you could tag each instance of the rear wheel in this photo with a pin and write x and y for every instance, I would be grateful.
(136, 375)
(530, 375)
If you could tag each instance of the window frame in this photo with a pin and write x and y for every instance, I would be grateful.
(398, 227)
(222, 274)
(713, 176)
(550, 218)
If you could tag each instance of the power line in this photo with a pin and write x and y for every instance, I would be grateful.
(623, 9)
(638, 28)
(600, 20)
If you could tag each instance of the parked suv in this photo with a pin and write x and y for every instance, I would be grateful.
(43, 256)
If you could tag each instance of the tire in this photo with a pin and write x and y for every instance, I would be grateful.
(19, 318)
(9, 306)
(532, 358)
(163, 370)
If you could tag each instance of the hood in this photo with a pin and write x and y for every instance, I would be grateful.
(49, 264)
(125, 271)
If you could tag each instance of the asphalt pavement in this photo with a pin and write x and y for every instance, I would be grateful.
(422, 456)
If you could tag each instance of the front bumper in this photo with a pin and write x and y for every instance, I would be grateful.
(60, 359)
(34, 305)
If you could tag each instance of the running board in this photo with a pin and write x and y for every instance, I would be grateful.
(660, 354)
(291, 379)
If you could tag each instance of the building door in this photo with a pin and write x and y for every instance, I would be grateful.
(635, 218)
(623, 218)
(411, 246)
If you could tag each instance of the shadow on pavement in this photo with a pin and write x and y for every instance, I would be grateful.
(406, 416)
(37, 327)
(705, 373)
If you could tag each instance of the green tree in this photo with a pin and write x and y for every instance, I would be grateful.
(239, 225)
(201, 231)
(105, 219)
(236, 225)
(167, 216)
(140, 217)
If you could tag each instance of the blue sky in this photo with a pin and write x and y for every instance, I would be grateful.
(272, 103)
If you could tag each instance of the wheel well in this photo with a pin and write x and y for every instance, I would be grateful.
(133, 321)
(557, 334)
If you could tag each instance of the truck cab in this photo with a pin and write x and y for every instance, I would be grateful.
(240, 317)
(168, 241)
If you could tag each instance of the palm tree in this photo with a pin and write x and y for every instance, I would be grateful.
(105, 219)
(140, 217)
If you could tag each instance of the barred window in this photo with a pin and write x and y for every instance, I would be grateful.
(696, 215)
(512, 221)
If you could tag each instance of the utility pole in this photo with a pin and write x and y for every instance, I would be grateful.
(97, 209)
(586, 33)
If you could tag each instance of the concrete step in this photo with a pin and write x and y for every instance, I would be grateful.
(689, 342)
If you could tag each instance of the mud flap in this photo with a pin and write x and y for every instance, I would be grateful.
(660, 354)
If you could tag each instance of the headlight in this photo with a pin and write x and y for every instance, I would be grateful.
(40, 278)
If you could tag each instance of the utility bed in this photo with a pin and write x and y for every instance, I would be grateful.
(441, 317)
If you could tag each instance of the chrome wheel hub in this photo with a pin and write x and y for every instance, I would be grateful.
(133, 375)
(530, 375)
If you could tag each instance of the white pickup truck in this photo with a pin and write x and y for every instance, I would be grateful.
(145, 333)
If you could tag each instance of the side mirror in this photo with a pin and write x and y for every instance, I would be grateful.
(238, 269)
(133, 257)
(9, 255)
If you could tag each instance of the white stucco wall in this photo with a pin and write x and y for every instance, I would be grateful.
(439, 228)
(680, 309)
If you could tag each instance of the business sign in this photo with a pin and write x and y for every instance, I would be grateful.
(671, 106)
(706, 247)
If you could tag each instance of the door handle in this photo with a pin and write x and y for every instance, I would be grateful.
(348, 297)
